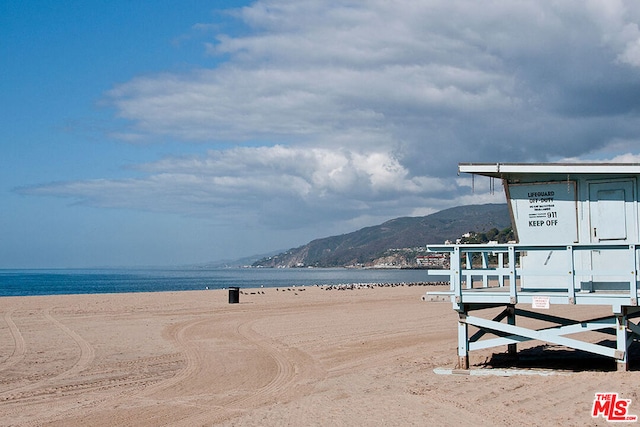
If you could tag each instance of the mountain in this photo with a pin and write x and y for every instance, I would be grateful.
(366, 246)
(231, 263)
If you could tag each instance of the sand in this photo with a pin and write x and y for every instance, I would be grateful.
(299, 357)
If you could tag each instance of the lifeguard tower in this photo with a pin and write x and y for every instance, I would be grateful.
(578, 237)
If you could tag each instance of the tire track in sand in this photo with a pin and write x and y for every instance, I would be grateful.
(189, 352)
(19, 346)
(285, 368)
(87, 352)
(87, 355)
(285, 372)
(190, 355)
(288, 369)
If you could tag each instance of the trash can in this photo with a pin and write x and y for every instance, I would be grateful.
(234, 295)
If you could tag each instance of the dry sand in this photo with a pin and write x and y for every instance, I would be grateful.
(278, 358)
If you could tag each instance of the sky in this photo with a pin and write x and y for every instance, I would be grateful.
(162, 133)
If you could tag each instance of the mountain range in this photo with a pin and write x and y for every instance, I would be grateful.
(394, 242)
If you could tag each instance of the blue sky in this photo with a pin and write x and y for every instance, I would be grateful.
(164, 133)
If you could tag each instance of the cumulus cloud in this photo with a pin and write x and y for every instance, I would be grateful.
(278, 185)
(338, 110)
(618, 23)
(518, 81)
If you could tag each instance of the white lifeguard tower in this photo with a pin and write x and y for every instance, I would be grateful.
(578, 237)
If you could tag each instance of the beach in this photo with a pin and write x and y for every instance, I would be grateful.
(280, 357)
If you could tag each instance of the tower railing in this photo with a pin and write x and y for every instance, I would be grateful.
(501, 273)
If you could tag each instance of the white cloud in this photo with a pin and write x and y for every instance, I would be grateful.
(618, 21)
(323, 71)
(362, 109)
(458, 80)
(626, 158)
(261, 185)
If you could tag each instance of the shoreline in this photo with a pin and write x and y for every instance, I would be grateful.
(349, 285)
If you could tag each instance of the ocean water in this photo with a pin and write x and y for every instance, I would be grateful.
(84, 281)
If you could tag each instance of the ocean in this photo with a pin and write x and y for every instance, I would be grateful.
(85, 281)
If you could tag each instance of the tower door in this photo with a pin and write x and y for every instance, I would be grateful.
(611, 212)
(612, 219)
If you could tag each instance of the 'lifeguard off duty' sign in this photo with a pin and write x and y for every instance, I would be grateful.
(545, 212)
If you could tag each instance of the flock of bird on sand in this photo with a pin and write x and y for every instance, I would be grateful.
(348, 286)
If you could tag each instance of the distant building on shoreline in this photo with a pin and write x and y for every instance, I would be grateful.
(434, 260)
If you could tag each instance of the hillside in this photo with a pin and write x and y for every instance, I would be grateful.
(366, 246)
